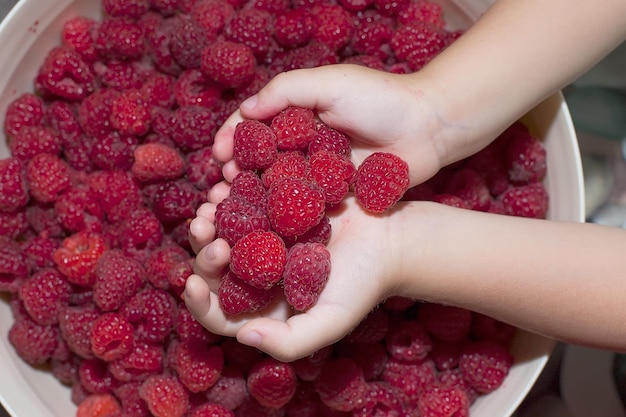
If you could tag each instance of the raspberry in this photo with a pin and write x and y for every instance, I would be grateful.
(450, 200)
(33, 140)
(198, 366)
(230, 389)
(113, 151)
(238, 297)
(94, 112)
(294, 127)
(158, 89)
(272, 383)
(156, 162)
(309, 367)
(255, 145)
(422, 10)
(411, 378)
(381, 180)
(381, 399)
(333, 173)
(78, 153)
(26, 110)
(202, 169)
(77, 34)
(13, 186)
(408, 341)
(129, 8)
(417, 43)
(158, 42)
(211, 410)
(40, 218)
(445, 355)
(239, 355)
(13, 224)
(333, 25)
(249, 186)
(79, 210)
(372, 38)
(526, 201)
(236, 218)
(306, 273)
(44, 295)
(372, 329)
(187, 328)
(165, 396)
(140, 231)
(132, 404)
(292, 164)
(176, 200)
(47, 177)
(295, 205)
(116, 191)
(229, 63)
(130, 113)
(194, 128)
(78, 255)
(484, 365)
(34, 343)
(188, 40)
(119, 38)
(194, 88)
(329, 139)
(39, 251)
(260, 78)
(341, 385)
(143, 360)
(470, 187)
(490, 164)
(117, 278)
(160, 262)
(294, 27)
(525, 157)
(313, 54)
(447, 323)
(259, 258)
(165, 7)
(64, 74)
(152, 312)
(119, 75)
(252, 28)
(75, 325)
(212, 15)
(99, 405)
(371, 357)
(438, 400)
(320, 233)
(111, 336)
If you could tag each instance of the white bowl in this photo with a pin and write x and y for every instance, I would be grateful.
(32, 28)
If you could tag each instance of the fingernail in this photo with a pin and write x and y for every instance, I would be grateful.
(250, 102)
(209, 253)
(251, 338)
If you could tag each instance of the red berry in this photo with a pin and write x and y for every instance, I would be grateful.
(272, 383)
(131, 113)
(236, 217)
(165, 396)
(292, 164)
(249, 186)
(187, 40)
(33, 140)
(156, 162)
(13, 186)
(411, 378)
(47, 177)
(294, 127)
(417, 43)
(439, 401)
(447, 323)
(341, 385)
(34, 343)
(197, 365)
(255, 145)
(422, 10)
(44, 295)
(306, 273)
(64, 74)
(128, 8)
(26, 110)
(152, 312)
(203, 170)
(333, 25)
(117, 278)
(485, 365)
(408, 341)
(294, 27)
(143, 360)
(229, 63)
(236, 296)
(259, 258)
(381, 180)
(525, 156)
(75, 325)
(526, 201)
(111, 336)
(252, 28)
(330, 139)
(295, 205)
(78, 255)
(333, 173)
(119, 38)
(99, 405)
(211, 410)
(372, 329)
(230, 389)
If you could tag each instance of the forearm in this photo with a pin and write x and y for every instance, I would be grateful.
(562, 280)
(517, 54)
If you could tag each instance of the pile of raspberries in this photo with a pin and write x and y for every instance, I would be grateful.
(110, 156)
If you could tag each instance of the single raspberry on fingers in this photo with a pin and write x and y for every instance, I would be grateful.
(306, 273)
(259, 258)
(381, 180)
(272, 383)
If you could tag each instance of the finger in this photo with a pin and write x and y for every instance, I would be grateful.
(230, 170)
(212, 259)
(201, 233)
(219, 192)
(207, 211)
(223, 141)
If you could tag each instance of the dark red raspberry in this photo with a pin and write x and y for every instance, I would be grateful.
(41, 218)
(202, 169)
(113, 151)
(33, 140)
(288, 164)
(445, 355)
(188, 40)
(211, 410)
(165, 7)
(116, 191)
(44, 295)
(212, 15)
(408, 341)
(372, 329)
(381, 180)
(64, 74)
(390, 7)
(156, 162)
(132, 404)
(295, 128)
(194, 128)
(236, 217)
(372, 38)
(26, 110)
(309, 367)
(78, 255)
(485, 327)
(447, 323)
(62, 118)
(333, 173)
(34, 343)
(195, 88)
(78, 210)
(295, 205)
(238, 297)
(98, 405)
(490, 163)
(411, 378)
(13, 186)
(130, 113)
(371, 357)
(252, 28)
(272, 383)
(422, 10)
(381, 398)
(111, 336)
(78, 34)
(525, 156)
(117, 278)
(485, 365)
(143, 360)
(119, 38)
(438, 400)
(470, 187)
(176, 200)
(294, 27)
(333, 25)
(160, 262)
(94, 112)
(230, 389)
(341, 385)
(249, 186)
(259, 258)
(128, 8)
(40, 251)
(75, 325)
(197, 365)
(158, 37)
(530, 200)
(187, 328)
(306, 273)
(139, 233)
(417, 43)
(320, 233)
(47, 177)
(152, 312)
(229, 63)
(255, 145)
(165, 396)
(14, 224)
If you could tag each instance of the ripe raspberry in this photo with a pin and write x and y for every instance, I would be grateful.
(306, 273)
(381, 399)
(372, 38)
(131, 113)
(14, 224)
(33, 343)
(211, 410)
(61, 117)
(99, 405)
(77, 34)
(320, 233)
(203, 170)
(288, 164)
(95, 377)
(249, 186)
(294, 27)
(33, 140)
(117, 278)
(333, 25)
(155, 162)
(94, 112)
(447, 323)
(341, 385)
(417, 43)
(129, 8)
(165, 396)
(111, 336)
(187, 328)
(272, 383)
(230, 389)
(47, 177)
(165, 7)
(113, 152)
(470, 187)
(525, 157)
(25, 110)
(259, 258)
(295, 128)
(41, 218)
(13, 186)
(390, 7)
(158, 90)
(485, 365)
(39, 252)
(152, 312)
(44, 295)
(422, 10)
(175, 201)
(238, 297)
(490, 163)
(408, 341)
(143, 360)
(236, 218)
(212, 15)
(160, 262)
(295, 205)
(372, 329)
(198, 366)
(195, 88)
(255, 145)
(381, 180)
(188, 39)
(158, 43)
(64, 74)
(438, 400)
(119, 75)
(116, 191)
(229, 63)
(194, 128)
(78, 255)
(371, 357)
(78, 209)
(333, 173)
(119, 38)
(330, 139)
(75, 325)
(251, 27)
(313, 54)
(309, 367)
(445, 355)
(526, 201)
(132, 404)
(139, 233)
(411, 378)
(450, 200)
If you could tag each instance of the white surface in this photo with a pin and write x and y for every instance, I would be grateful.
(32, 28)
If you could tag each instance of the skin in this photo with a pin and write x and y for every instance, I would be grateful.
(565, 280)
